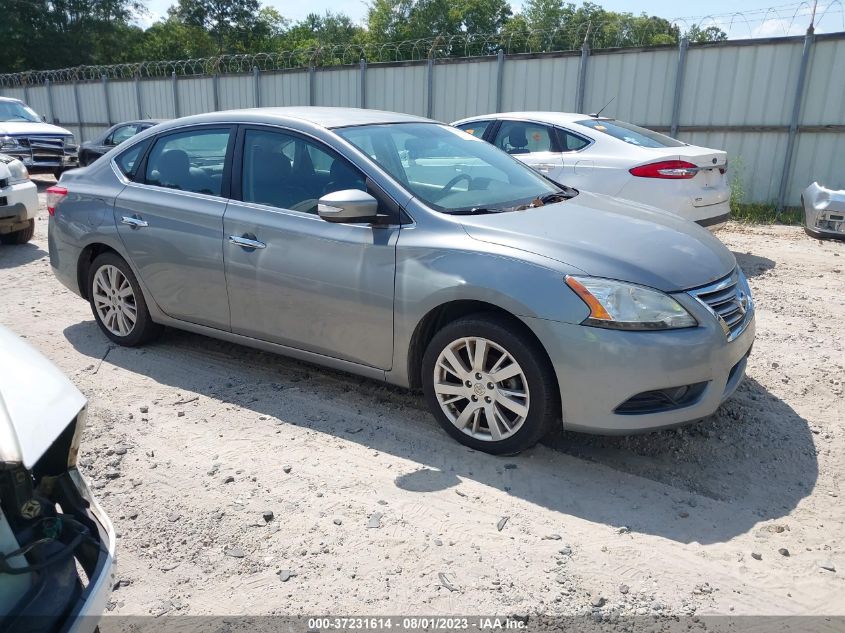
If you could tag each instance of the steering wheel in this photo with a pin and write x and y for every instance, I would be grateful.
(448, 187)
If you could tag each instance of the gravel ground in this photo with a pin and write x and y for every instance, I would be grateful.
(245, 483)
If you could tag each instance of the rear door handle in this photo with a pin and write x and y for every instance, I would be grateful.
(247, 241)
(134, 222)
(545, 166)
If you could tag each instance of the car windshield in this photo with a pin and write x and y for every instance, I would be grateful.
(448, 169)
(14, 111)
(630, 133)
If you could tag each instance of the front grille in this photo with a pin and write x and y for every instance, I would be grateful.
(729, 299)
(660, 400)
(3, 183)
(46, 149)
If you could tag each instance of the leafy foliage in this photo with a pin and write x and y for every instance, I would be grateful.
(41, 34)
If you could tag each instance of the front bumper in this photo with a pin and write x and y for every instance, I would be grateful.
(824, 212)
(598, 370)
(18, 205)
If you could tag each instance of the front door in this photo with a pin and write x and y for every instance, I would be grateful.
(171, 222)
(293, 278)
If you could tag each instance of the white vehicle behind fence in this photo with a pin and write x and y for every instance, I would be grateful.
(603, 155)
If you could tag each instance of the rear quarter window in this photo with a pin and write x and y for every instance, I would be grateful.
(128, 161)
(630, 133)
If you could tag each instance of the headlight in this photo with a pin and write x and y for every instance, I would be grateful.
(624, 306)
(18, 172)
(9, 142)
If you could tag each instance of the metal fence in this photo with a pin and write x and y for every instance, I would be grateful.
(776, 105)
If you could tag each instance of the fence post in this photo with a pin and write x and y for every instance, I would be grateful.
(26, 91)
(582, 76)
(793, 122)
(106, 97)
(363, 83)
(52, 112)
(429, 109)
(78, 108)
(215, 86)
(683, 46)
(500, 76)
(256, 87)
(312, 88)
(175, 95)
(138, 96)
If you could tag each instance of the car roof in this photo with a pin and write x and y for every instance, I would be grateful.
(7, 99)
(553, 118)
(315, 115)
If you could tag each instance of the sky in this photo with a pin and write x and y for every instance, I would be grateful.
(754, 19)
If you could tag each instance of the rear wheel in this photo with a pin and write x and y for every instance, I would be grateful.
(489, 384)
(19, 237)
(118, 303)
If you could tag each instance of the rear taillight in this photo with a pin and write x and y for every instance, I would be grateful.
(54, 197)
(672, 169)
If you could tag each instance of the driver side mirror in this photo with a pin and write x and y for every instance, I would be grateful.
(348, 205)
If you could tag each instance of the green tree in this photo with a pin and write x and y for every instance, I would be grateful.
(230, 22)
(710, 34)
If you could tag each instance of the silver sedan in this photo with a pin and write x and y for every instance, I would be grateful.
(397, 248)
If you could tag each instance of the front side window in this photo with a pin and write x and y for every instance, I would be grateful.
(630, 133)
(521, 137)
(476, 128)
(447, 169)
(286, 171)
(121, 134)
(189, 161)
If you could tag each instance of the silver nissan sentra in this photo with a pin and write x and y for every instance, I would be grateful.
(401, 249)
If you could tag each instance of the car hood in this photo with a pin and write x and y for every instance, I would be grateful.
(614, 238)
(37, 402)
(18, 128)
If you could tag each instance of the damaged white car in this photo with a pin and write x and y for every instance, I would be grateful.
(56, 544)
(824, 211)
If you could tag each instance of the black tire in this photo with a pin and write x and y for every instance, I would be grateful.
(144, 329)
(509, 334)
(19, 237)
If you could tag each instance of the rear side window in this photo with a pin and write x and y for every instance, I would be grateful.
(127, 162)
(521, 137)
(571, 142)
(122, 134)
(189, 161)
(630, 133)
(476, 128)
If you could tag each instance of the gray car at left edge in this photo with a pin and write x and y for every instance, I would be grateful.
(398, 248)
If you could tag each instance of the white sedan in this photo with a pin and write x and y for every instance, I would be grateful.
(612, 157)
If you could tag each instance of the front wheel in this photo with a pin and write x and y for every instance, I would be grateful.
(490, 384)
(118, 303)
(19, 237)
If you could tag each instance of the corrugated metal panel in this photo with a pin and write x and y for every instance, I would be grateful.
(123, 101)
(398, 88)
(14, 93)
(824, 92)
(195, 95)
(756, 158)
(740, 85)
(640, 84)
(157, 99)
(284, 89)
(38, 100)
(818, 157)
(92, 103)
(540, 84)
(338, 87)
(64, 108)
(462, 90)
(236, 91)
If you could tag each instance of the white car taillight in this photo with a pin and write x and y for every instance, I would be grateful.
(671, 169)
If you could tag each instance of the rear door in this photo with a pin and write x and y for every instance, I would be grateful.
(170, 219)
(535, 144)
(293, 278)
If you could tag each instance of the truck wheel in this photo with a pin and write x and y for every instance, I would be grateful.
(19, 237)
(489, 384)
(118, 303)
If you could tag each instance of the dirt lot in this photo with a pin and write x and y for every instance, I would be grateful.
(192, 443)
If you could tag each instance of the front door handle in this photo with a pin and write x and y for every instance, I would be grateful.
(134, 221)
(247, 241)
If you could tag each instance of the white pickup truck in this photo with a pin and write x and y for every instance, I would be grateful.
(41, 146)
(56, 543)
(18, 202)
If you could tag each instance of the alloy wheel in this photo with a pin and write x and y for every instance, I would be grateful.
(481, 388)
(114, 300)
